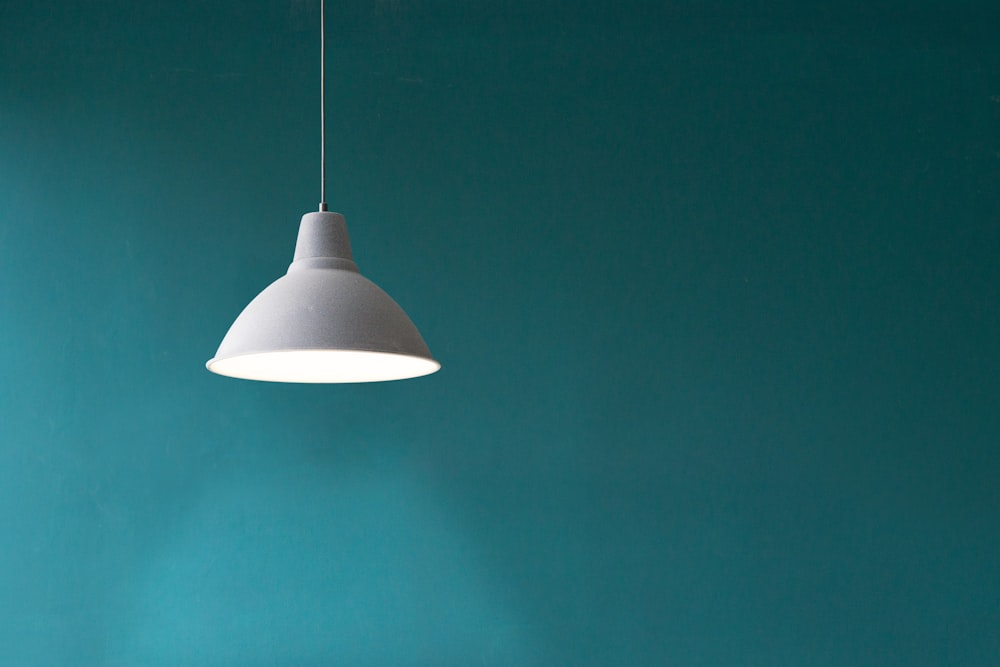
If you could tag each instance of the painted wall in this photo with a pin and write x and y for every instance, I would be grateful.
(715, 288)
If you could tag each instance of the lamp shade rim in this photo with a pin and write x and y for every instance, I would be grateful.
(323, 365)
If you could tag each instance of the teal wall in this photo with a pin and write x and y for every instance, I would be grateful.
(715, 288)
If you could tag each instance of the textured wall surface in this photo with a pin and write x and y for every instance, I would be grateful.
(715, 286)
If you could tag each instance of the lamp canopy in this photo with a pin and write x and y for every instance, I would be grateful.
(323, 321)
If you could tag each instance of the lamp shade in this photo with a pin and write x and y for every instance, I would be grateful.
(323, 321)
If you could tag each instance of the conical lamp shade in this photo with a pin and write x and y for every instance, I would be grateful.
(323, 321)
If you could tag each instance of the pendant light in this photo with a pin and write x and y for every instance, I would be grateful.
(323, 321)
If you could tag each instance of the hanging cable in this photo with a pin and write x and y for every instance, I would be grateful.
(322, 103)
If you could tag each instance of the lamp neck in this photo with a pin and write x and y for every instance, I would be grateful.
(323, 243)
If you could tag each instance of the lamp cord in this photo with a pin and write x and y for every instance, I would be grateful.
(322, 103)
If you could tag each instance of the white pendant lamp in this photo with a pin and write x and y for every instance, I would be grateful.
(323, 321)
